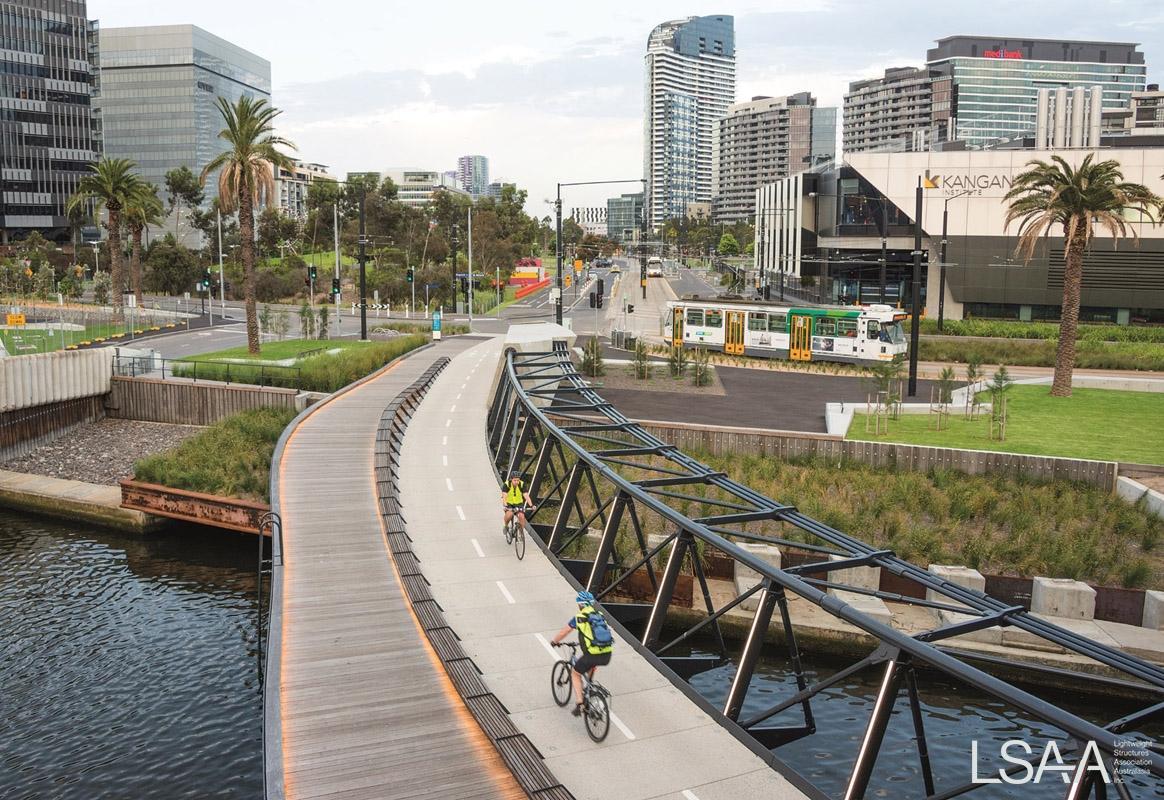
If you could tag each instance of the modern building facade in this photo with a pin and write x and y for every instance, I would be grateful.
(995, 81)
(887, 113)
(473, 175)
(495, 189)
(1143, 117)
(46, 123)
(624, 217)
(764, 140)
(592, 220)
(835, 224)
(159, 92)
(416, 187)
(690, 82)
(291, 187)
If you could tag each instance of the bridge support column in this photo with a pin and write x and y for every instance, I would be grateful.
(606, 546)
(752, 647)
(569, 498)
(875, 733)
(666, 589)
(540, 468)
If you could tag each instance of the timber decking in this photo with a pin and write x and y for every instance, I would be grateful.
(366, 708)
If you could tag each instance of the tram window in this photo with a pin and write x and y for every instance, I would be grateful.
(826, 326)
(757, 322)
(695, 316)
(713, 318)
(847, 327)
(874, 329)
(778, 323)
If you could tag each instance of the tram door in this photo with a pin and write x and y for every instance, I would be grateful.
(800, 346)
(733, 342)
(677, 327)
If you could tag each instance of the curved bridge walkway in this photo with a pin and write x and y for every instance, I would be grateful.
(366, 709)
(661, 745)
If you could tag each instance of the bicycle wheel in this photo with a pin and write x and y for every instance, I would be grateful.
(597, 716)
(508, 530)
(519, 542)
(560, 683)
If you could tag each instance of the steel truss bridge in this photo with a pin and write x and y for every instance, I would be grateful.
(590, 468)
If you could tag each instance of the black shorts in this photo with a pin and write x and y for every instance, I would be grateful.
(588, 661)
(517, 507)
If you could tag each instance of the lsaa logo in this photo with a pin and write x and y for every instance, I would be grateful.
(1024, 770)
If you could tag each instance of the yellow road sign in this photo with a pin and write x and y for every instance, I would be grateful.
(15, 319)
(578, 265)
(566, 278)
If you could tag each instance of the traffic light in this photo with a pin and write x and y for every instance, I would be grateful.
(311, 273)
(335, 286)
(206, 280)
(593, 301)
(599, 301)
(767, 291)
(601, 288)
(409, 275)
(630, 308)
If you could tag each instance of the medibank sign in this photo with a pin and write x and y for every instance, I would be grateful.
(973, 182)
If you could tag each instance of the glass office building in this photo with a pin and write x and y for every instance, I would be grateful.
(624, 216)
(690, 82)
(995, 82)
(159, 87)
(47, 140)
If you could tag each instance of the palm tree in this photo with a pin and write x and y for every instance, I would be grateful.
(246, 178)
(142, 209)
(1078, 198)
(111, 184)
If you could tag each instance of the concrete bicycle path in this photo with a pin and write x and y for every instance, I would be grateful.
(661, 745)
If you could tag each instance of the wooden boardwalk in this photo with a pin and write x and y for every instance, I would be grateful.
(365, 708)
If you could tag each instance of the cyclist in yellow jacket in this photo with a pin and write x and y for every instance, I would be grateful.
(595, 654)
(516, 500)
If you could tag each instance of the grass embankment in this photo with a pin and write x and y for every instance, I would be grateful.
(996, 524)
(26, 341)
(231, 458)
(1007, 329)
(1092, 423)
(1089, 354)
(279, 351)
(324, 372)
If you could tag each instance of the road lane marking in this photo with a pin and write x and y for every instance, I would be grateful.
(505, 592)
(448, 422)
(444, 441)
(453, 409)
(618, 723)
(461, 513)
(444, 461)
(458, 397)
(689, 795)
(449, 483)
(477, 547)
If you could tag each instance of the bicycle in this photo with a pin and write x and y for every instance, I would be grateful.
(515, 534)
(595, 697)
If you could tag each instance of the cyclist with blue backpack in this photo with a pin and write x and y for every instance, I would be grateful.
(595, 640)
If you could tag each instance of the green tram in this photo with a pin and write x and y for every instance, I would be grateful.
(851, 334)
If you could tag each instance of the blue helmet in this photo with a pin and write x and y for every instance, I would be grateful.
(584, 598)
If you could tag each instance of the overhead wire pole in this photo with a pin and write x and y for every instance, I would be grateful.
(335, 232)
(363, 271)
(915, 317)
(221, 280)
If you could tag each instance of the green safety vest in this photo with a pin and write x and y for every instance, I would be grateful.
(585, 635)
(514, 495)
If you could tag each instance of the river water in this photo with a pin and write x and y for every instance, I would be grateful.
(127, 663)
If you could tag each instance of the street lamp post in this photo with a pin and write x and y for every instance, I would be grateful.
(915, 317)
(884, 246)
(942, 264)
(363, 271)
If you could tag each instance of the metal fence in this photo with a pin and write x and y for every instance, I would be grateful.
(222, 371)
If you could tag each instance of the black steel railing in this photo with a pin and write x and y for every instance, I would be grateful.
(259, 374)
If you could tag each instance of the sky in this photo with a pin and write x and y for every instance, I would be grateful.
(553, 92)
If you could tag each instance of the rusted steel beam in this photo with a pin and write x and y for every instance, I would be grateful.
(230, 513)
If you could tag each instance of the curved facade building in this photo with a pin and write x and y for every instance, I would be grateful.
(690, 82)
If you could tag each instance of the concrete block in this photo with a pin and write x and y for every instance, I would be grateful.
(970, 579)
(1063, 597)
(869, 606)
(857, 577)
(746, 578)
(1153, 610)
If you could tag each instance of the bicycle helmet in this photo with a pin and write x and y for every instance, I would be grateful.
(584, 598)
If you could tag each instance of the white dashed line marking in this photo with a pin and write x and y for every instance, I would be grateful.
(618, 723)
(453, 409)
(461, 514)
(444, 441)
(448, 422)
(449, 483)
(444, 461)
(505, 592)
(689, 795)
(477, 547)
(458, 397)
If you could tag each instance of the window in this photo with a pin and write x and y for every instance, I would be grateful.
(713, 318)
(847, 327)
(757, 322)
(695, 316)
(826, 326)
(778, 323)
(874, 329)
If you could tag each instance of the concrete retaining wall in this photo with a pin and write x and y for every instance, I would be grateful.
(37, 380)
(916, 458)
(187, 403)
(1133, 491)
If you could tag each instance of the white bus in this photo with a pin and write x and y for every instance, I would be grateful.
(851, 334)
(654, 267)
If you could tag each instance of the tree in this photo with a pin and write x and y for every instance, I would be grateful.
(1076, 198)
(275, 228)
(111, 183)
(245, 179)
(306, 321)
(141, 209)
(170, 268)
(728, 246)
(45, 283)
(182, 189)
(101, 286)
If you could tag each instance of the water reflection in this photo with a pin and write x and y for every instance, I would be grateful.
(127, 663)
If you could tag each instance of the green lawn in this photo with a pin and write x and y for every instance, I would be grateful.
(325, 261)
(1092, 423)
(19, 342)
(277, 351)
